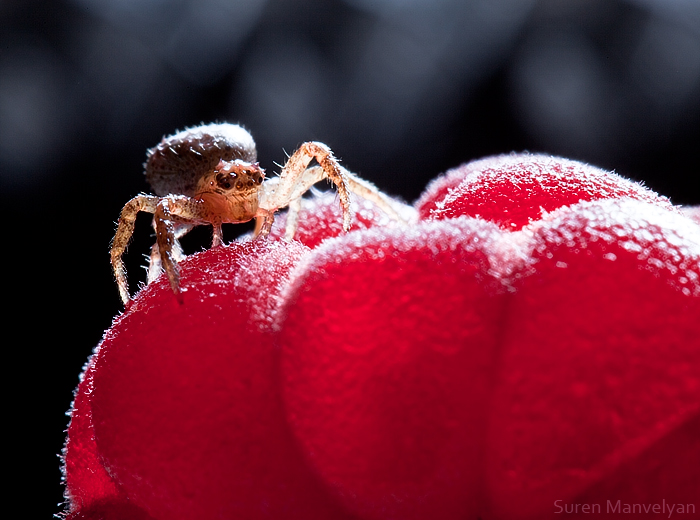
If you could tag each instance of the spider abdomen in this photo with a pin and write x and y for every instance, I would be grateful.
(177, 163)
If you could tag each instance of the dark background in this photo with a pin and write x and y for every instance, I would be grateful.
(400, 89)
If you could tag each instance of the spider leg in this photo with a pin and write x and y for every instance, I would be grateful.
(261, 223)
(155, 266)
(369, 191)
(355, 184)
(292, 219)
(125, 229)
(217, 235)
(174, 216)
(165, 239)
(281, 193)
(172, 211)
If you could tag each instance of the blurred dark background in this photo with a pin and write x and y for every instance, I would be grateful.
(400, 89)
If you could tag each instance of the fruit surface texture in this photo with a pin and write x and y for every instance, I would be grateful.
(532, 338)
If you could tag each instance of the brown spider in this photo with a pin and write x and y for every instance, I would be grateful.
(209, 175)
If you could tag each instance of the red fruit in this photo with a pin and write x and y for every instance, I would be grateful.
(453, 369)
(87, 482)
(321, 218)
(599, 360)
(388, 345)
(419, 389)
(514, 190)
(111, 509)
(186, 405)
(90, 492)
(671, 474)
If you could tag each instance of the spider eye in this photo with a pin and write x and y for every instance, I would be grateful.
(225, 180)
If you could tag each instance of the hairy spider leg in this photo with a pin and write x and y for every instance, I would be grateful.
(355, 184)
(155, 267)
(280, 192)
(168, 211)
(125, 229)
(165, 238)
(369, 191)
(292, 223)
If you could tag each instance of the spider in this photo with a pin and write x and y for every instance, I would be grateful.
(209, 175)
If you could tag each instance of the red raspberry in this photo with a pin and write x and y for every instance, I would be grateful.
(453, 370)
(548, 350)
(321, 218)
(514, 190)
(185, 405)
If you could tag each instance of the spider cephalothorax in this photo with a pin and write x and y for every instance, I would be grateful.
(230, 191)
(209, 175)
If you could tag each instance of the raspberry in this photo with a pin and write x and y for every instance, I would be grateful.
(186, 409)
(514, 190)
(535, 338)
